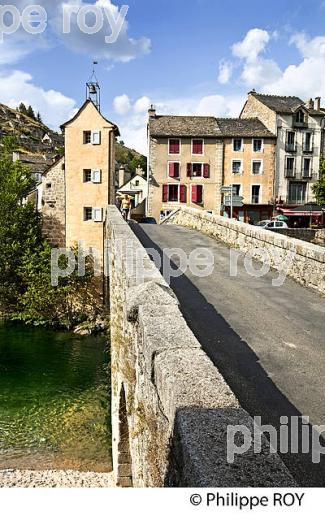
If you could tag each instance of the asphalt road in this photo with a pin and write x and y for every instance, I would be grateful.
(268, 342)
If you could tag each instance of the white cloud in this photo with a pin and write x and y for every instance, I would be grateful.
(18, 86)
(225, 72)
(142, 105)
(252, 45)
(124, 49)
(122, 104)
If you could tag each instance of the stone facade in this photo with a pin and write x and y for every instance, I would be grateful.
(246, 179)
(170, 405)
(53, 204)
(307, 266)
(292, 185)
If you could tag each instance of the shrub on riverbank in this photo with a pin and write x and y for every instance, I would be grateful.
(26, 293)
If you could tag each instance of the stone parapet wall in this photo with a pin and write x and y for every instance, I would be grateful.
(307, 264)
(307, 235)
(170, 405)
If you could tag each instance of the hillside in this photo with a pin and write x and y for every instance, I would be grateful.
(37, 144)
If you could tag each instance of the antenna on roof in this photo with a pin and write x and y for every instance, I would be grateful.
(93, 88)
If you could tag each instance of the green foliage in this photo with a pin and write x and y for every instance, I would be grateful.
(319, 187)
(29, 112)
(130, 158)
(26, 292)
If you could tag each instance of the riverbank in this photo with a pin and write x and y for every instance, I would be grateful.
(10, 478)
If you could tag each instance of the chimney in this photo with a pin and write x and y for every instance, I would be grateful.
(121, 177)
(317, 103)
(152, 111)
(310, 104)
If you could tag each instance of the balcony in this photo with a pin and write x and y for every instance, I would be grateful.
(289, 173)
(291, 147)
(307, 174)
(308, 149)
(295, 201)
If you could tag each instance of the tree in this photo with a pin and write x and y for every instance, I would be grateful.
(30, 112)
(319, 187)
(26, 292)
(22, 109)
(39, 118)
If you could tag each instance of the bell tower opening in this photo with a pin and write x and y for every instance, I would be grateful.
(93, 88)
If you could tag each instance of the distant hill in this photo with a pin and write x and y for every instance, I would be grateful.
(37, 145)
(129, 158)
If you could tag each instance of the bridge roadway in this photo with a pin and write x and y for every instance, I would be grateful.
(268, 342)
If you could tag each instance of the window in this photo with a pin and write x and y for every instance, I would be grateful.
(137, 183)
(297, 192)
(291, 137)
(256, 167)
(174, 146)
(258, 145)
(174, 169)
(236, 167)
(237, 145)
(197, 146)
(307, 167)
(174, 193)
(88, 214)
(308, 142)
(48, 185)
(290, 166)
(237, 188)
(300, 117)
(87, 175)
(197, 193)
(87, 137)
(256, 194)
(197, 170)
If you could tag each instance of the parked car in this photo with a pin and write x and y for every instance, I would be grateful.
(276, 224)
(148, 220)
(263, 223)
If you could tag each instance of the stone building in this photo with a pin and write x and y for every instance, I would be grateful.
(299, 128)
(249, 165)
(185, 163)
(53, 203)
(137, 188)
(89, 175)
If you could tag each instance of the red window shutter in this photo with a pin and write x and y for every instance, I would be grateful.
(189, 170)
(183, 193)
(171, 169)
(194, 193)
(197, 146)
(206, 171)
(174, 146)
(165, 193)
(199, 194)
(176, 169)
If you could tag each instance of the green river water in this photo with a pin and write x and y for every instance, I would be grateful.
(54, 400)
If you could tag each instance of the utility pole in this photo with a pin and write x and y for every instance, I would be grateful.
(231, 201)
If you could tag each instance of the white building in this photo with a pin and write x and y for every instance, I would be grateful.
(299, 127)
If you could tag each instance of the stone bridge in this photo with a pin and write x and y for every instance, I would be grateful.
(191, 360)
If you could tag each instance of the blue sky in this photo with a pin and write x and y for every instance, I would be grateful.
(186, 56)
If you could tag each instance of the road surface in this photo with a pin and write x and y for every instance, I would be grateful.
(268, 342)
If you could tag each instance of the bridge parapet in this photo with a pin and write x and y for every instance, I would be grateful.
(306, 265)
(170, 406)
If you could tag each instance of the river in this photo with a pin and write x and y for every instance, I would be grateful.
(54, 400)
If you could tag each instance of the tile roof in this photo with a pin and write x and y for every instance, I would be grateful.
(251, 127)
(198, 126)
(183, 126)
(284, 104)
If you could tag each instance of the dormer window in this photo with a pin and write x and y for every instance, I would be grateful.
(300, 117)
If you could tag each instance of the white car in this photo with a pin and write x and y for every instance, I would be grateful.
(263, 223)
(276, 224)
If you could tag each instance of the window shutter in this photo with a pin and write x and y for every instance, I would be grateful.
(189, 170)
(183, 193)
(97, 214)
(199, 194)
(165, 193)
(171, 169)
(96, 137)
(194, 193)
(96, 176)
(206, 171)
